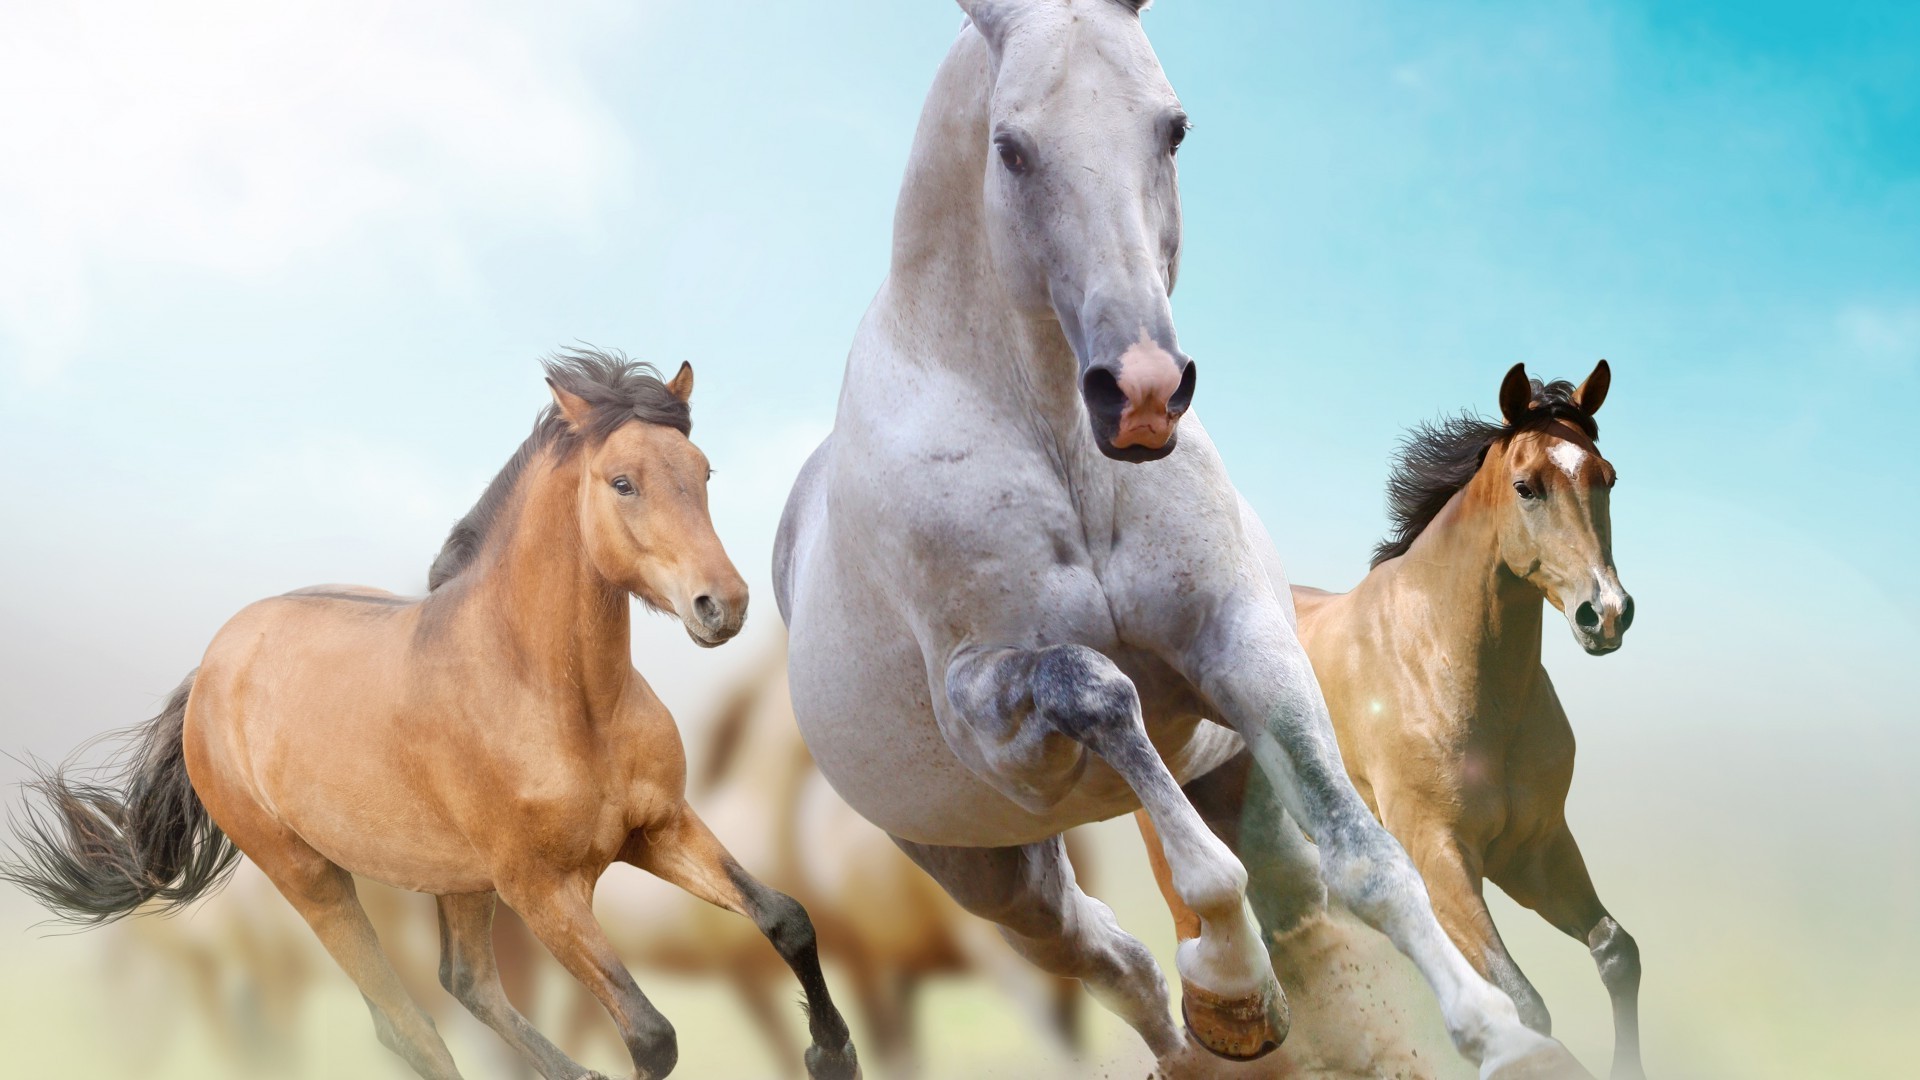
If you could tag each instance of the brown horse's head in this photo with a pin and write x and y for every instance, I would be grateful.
(643, 509)
(1554, 486)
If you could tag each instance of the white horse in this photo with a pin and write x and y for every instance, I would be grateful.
(1021, 594)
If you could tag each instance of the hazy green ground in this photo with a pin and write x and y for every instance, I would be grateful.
(1776, 921)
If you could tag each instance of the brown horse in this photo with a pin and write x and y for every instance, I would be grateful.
(489, 740)
(1446, 719)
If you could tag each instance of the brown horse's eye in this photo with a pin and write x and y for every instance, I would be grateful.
(1521, 486)
(622, 485)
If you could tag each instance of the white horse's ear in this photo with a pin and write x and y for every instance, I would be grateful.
(1516, 394)
(681, 384)
(987, 16)
(572, 407)
(1593, 390)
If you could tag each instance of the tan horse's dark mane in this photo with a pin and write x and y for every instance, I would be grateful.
(1433, 461)
(618, 389)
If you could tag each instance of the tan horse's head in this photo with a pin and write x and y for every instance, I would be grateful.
(644, 520)
(1554, 487)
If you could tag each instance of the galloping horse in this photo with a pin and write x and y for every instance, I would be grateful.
(1021, 592)
(1448, 724)
(490, 739)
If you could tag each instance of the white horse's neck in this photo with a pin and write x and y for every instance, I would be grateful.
(943, 286)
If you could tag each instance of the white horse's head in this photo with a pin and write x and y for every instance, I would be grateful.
(1083, 203)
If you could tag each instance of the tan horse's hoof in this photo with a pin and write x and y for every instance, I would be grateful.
(1238, 1029)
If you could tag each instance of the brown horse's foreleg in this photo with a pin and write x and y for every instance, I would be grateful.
(324, 895)
(559, 911)
(683, 852)
(468, 971)
(1454, 884)
(1553, 881)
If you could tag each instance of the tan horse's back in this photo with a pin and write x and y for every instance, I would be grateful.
(301, 703)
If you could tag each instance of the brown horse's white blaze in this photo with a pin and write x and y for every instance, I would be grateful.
(491, 739)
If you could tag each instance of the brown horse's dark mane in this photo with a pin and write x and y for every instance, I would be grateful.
(1433, 461)
(618, 389)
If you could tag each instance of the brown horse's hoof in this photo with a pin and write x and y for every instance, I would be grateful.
(1238, 1029)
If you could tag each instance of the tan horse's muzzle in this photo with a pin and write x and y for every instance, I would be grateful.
(714, 615)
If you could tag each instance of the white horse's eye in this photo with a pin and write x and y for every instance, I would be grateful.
(1011, 156)
(1178, 135)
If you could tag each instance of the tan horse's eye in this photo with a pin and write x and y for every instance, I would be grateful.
(622, 485)
(1525, 490)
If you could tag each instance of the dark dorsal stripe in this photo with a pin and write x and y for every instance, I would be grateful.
(618, 389)
(1436, 460)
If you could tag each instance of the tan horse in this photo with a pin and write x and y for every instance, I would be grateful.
(1447, 722)
(491, 739)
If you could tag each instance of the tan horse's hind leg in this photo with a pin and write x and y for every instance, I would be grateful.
(684, 852)
(468, 971)
(1552, 879)
(323, 894)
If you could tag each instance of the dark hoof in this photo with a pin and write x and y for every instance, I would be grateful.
(825, 1064)
(1238, 1029)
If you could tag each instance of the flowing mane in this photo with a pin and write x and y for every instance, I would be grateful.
(1435, 460)
(619, 390)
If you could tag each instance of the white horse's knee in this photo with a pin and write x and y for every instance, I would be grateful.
(1371, 874)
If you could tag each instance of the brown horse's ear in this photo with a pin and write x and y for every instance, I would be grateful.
(1516, 394)
(682, 382)
(1594, 390)
(573, 408)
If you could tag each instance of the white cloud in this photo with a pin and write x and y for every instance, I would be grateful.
(1886, 339)
(241, 137)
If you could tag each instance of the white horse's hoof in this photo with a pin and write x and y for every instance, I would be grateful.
(1238, 1029)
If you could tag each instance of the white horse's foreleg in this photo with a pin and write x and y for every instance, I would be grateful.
(1250, 664)
(1031, 893)
(1234, 1005)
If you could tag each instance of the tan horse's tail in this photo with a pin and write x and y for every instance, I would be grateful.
(98, 848)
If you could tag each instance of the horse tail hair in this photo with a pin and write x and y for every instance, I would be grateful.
(95, 848)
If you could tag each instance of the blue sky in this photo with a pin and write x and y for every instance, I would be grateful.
(272, 282)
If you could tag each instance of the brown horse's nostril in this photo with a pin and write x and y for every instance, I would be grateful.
(708, 611)
(1626, 614)
(1586, 616)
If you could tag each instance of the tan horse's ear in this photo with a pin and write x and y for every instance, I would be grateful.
(573, 408)
(682, 382)
(1516, 394)
(1594, 390)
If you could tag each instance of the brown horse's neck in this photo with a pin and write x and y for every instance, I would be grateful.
(568, 625)
(1476, 608)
